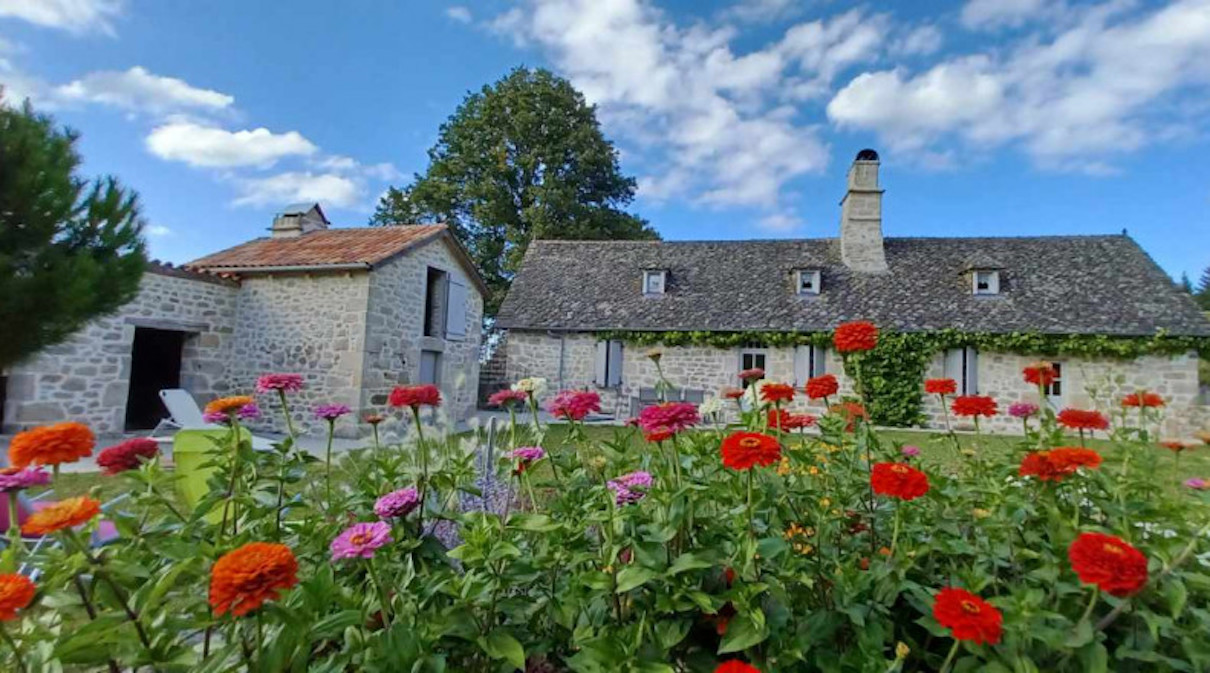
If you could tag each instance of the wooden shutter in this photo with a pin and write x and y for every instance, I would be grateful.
(455, 315)
(601, 375)
(613, 372)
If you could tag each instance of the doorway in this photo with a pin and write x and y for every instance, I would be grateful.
(155, 364)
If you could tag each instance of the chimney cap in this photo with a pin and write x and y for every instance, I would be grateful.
(867, 155)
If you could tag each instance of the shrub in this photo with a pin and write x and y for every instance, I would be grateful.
(731, 546)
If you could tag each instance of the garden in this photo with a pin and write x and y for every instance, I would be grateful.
(734, 536)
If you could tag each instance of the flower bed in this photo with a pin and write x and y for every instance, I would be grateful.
(678, 544)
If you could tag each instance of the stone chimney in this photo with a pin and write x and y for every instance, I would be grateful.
(861, 217)
(297, 219)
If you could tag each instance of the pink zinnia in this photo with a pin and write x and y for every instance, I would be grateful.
(672, 416)
(1197, 484)
(288, 383)
(752, 374)
(128, 455)
(18, 478)
(1022, 409)
(631, 488)
(528, 454)
(361, 540)
(248, 412)
(574, 405)
(503, 398)
(215, 417)
(910, 451)
(331, 412)
(397, 504)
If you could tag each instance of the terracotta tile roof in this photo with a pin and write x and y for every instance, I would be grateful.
(330, 247)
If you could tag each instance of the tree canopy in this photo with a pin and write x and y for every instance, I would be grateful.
(523, 158)
(70, 248)
(1203, 290)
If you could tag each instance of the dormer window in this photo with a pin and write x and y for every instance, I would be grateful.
(654, 281)
(807, 281)
(986, 282)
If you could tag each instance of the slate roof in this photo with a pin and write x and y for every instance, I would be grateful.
(1053, 284)
(328, 247)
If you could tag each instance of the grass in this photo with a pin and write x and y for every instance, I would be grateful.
(936, 449)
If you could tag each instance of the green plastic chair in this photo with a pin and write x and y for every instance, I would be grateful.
(191, 451)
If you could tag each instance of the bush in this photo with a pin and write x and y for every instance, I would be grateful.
(713, 542)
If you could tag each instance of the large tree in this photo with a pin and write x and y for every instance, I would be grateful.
(70, 248)
(522, 159)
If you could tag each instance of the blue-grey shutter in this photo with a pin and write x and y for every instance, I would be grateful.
(952, 368)
(972, 371)
(600, 373)
(802, 364)
(455, 316)
(819, 360)
(613, 373)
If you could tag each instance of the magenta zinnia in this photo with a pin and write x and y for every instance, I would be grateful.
(631, 488)
(19, 478)
(574, 405)
(331, 412)
(361, 540)
(397, 504)
(672, 417)
(286, 383)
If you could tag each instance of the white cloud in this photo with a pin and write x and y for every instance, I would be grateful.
(326, 188)
(1089, 91)
(210, 147)
(988, 14)
(75, 16)
(780, 223)
(762, 11)
(705, 121)
(921, 40)
(157, 231)
(459, 13)
(139, 90)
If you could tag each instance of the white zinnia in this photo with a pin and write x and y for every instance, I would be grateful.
(533, 384)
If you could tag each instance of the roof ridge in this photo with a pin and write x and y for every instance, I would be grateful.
(821, 239)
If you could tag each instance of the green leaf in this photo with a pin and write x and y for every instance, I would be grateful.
(742, 633)
(671, 632)
(633, 577)
(333, 624)
(1094, 658)
(500, 645)
(1176, 595)
(685, 562)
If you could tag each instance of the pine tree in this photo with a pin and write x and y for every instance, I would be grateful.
(522, 159)
(70, 248)
(1186, 285)
(1203, 290)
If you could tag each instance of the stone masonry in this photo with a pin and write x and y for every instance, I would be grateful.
(86, 378)
(567, 361)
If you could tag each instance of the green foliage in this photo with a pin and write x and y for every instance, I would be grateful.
(70, 250)
(1203, 290)
(794, 566)
(895, 369)
(522, 159)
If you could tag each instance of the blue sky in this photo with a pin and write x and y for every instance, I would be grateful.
(993, 117)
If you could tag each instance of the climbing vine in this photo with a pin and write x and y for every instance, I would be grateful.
(893, 371)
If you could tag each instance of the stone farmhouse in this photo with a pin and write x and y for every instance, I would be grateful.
(570, 300)
(356, 311)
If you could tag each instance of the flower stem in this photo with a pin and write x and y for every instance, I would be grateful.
(895, 532)
(328, 461)
(751, 514)
(14, 526)
(382, 594)
(949, 659)
(423, 450)
(20, 656)
(1092, 601)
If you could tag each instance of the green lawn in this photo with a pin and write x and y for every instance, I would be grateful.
(935, 447)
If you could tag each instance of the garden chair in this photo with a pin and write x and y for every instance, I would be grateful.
(192, 451)
(184, 414)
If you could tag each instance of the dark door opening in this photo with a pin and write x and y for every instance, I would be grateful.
(155, 364)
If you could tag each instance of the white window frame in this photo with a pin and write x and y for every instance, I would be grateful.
(966, 363)
(813, 276)
(661, 278)
(1054, 390)
(754, 353)
(993, 282)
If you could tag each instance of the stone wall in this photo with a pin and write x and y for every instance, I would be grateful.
(1088, 383)
(87, 378)
(309, 324)
(394, 336)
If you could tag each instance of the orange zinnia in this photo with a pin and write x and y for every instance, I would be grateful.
(51, 445)
(244, 578)
(229, 405)
(16, 592)
(776, 392)
(63, 514)
(743, 450)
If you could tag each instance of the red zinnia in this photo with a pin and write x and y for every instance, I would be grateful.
(822, 386)
(780, 419)
(940, 386)
(1109, 562)
(967, 616)
(426, 395)
(1143, 399)
(1040, 373)
(851, 412)
(658, 434)
(671, 416)
(776, 392)
(128, 455)
(574, 405)
(899, 481)
(16, 592)
(752, 374)
(1079, 419)
(974, 405)
(507, 396)
(736, 666)
(1056, 464)
(731, 393)
(743, 450)
(852, 337)
(1175, 445)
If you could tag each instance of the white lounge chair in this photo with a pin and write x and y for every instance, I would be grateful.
(184, 414)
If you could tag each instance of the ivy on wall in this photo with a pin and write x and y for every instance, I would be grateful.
(893, 371)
